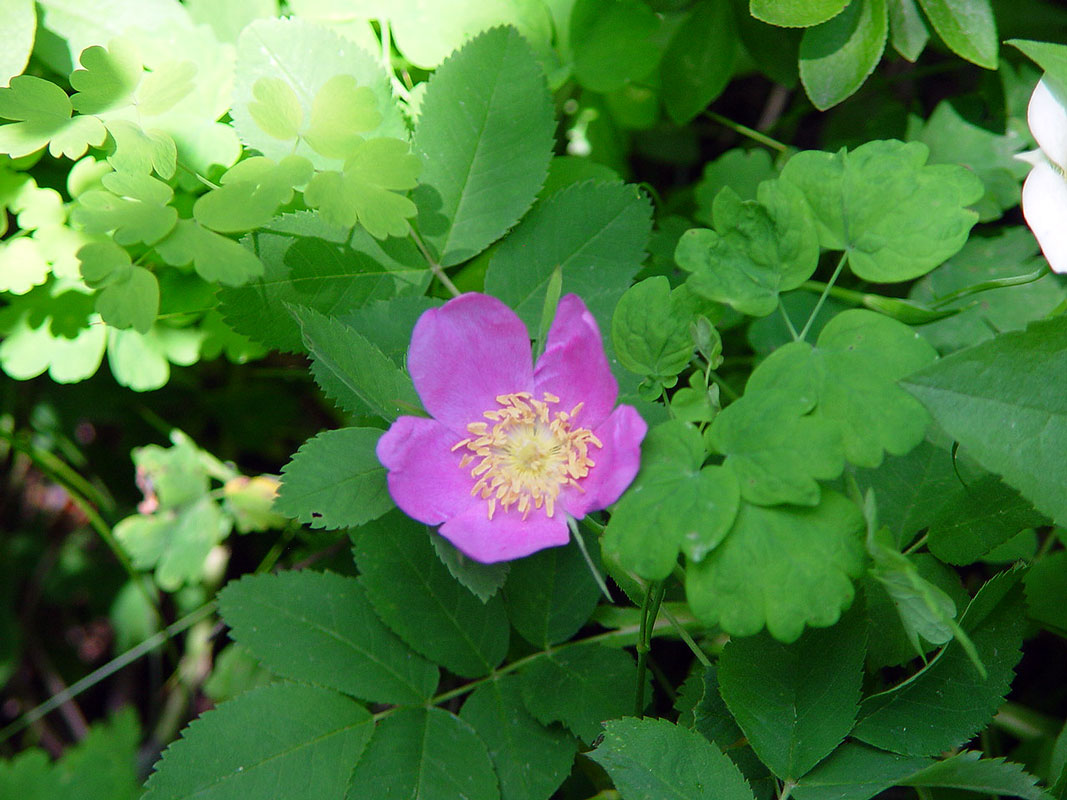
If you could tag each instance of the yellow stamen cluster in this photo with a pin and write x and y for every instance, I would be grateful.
(526, 453)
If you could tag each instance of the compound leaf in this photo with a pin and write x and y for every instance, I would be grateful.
(42, 116)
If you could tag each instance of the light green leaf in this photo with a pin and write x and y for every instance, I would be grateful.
(780, 567)
(580, 687)
(897, 218)
(837, 56)
(969, 771)
(968, 27)
(795, 13)
(758, 248)
(108, 77)
(856, 772)
(215, 258)
(130, 302)
(652, 759)
(948, 702)
(424, 753)
(42, 116)
(413, 592)
(1050, 56)
(366, 192)
(233, 673)
(613, 42)
(297, 58)
(595, 234)
(352, 371)
(484, 135)
(672, 505)
(531, 761)
(1000, 400)
(335, 480)
(16, 42)
(27, 351)
(251, 193)
(699, 60)
(307, 262)
(650, 329)
(796, 702)
(22, 265)
(319, 627)
(133, 207)
(142, 361)
(137, 150)
(852, 373)
(315, 736)
(907, 31)
(776, 447)
(551, 594)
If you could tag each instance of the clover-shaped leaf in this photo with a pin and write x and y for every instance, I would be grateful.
(215, 258)
(129, 295)
(896, 216)
(108, 77)
(22, 265)
(673, 505)
(42, 114)
(133, 206)
(138, 150)
(341, 110)
(276, 108)
(650, 329)
(758, 248)
(366, 191)
(851, 376)
(776, 448)
(781, 567)
(251, 193)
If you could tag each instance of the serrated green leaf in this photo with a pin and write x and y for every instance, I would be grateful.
(551, 594)
(531, 761)
(130, 302)
(907, 31)
(758, 248)
(776, 447)
(856, 772)
(968, 27)
(796, 702)
(367, 190)
(319, 627)
(388, 323)
(484, 135)
(483, 580)
(1046, 586)
(307, 262)
(335, 480)
(251, 193)
(969, 771)
(215, 258)
(595, 234)
(837, 56)
(42, 116)
(896, 217)
(298, 59)
(977, 519)
(613, 42)
(700, 706)
(133, 207)
(948, 702)
(352, 371)
(580, 686)
(851, 373)
(413, 592)
(650, 329)
(1008, 384)
(699, 60)
(16, 43)
(315, 736)
(673, 505)
(651, 759)
(780, 567)
(424, 753)
(795, 13)
(108, 77)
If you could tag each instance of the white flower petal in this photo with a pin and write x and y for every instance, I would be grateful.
(1047, 117)
(1045, 209)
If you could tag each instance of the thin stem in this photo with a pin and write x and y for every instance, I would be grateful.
(435, 268)
(788, 323)
(573, 525)
(275, 552)
(823, 296)
(918, 543)
(108, 669)
(649, 612)
(701, 656)
(744, 130)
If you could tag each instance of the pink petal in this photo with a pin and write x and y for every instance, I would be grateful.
(506, 536)
(466, 353)
(425, 478)
(1045, 209)
(617, 463)
(574, 367)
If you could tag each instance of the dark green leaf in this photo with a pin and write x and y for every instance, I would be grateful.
(968, 27)
(613, 42)
(907, 31)
(284, 740)
(837, 56)
(856, 772)
(414, 594)
(320, 628)
(484, 135)
(483, 580)
(969, 771)
(795, 13)
(1046, 587)
(650, 329)
(699, 60)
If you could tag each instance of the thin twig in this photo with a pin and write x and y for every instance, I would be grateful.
(435, 268)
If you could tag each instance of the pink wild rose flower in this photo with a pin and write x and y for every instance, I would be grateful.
(512, 448)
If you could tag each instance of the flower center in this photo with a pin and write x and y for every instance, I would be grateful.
(526, 453)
